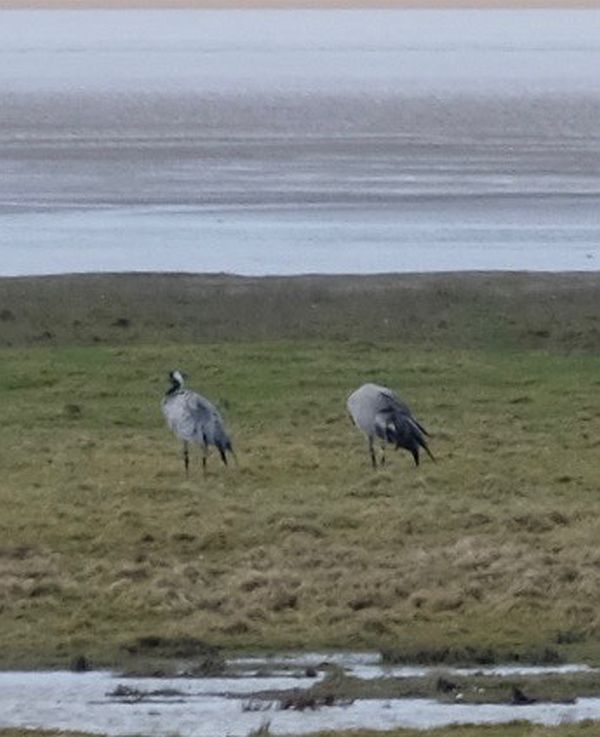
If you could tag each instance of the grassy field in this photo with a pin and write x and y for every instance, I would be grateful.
(489, 554)
(517, 729)
(550, 312)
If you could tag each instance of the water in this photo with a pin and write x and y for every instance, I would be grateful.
(285, 142)
(368, 665)
(220, 706)
(303, 50)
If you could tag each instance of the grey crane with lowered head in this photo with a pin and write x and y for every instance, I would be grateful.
(378, 412)
(194, 419)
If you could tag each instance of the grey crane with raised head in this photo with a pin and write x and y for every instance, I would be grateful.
(378, 412)
(194, 419)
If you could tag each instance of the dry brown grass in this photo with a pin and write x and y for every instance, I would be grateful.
(516, 729)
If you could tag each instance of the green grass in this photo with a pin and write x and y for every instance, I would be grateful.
(492, 549)
(516, 729)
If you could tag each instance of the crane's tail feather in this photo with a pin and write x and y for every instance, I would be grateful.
(426, 449)
(405, 432)
(421, 428)
(225, 447)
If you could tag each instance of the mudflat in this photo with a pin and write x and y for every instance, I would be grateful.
(282, 4)
(270, 143)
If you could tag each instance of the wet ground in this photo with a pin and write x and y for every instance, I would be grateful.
(236, 701)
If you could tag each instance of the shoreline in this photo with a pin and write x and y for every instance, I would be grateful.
(539, 310)
(323, 277)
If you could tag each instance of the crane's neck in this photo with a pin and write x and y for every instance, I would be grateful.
(176, 378)
(176, 386)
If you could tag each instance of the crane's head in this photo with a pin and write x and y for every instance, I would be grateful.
(177, 377)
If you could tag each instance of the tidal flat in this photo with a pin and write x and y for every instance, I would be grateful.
(268, 142)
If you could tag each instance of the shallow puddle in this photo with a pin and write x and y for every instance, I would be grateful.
(100, 701)
(369, 665)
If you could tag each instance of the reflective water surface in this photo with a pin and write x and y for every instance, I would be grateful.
(283, 142)
(100, 701)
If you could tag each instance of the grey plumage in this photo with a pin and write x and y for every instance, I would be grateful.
(194, 419)
(378, 412)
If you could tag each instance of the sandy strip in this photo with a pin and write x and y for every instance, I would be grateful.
(283, 4)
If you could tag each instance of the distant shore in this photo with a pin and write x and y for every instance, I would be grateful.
(289, 4)
(548, 311)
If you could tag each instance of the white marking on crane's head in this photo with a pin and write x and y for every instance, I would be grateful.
(177, 377)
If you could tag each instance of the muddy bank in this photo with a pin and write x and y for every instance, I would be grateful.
(547, 311)
(295, 694)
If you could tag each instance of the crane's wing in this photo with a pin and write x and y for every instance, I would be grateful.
(388, 400)
(391, 402)
(209, 423)
(198, 406)
(395, 423)
(188, 414)
(204, 416)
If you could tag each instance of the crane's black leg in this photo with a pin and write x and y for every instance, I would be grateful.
(233, 455)
(204, 457)
(186, 458)
(372, 452)
(382, 454)
(222, 454)
(415, 455)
